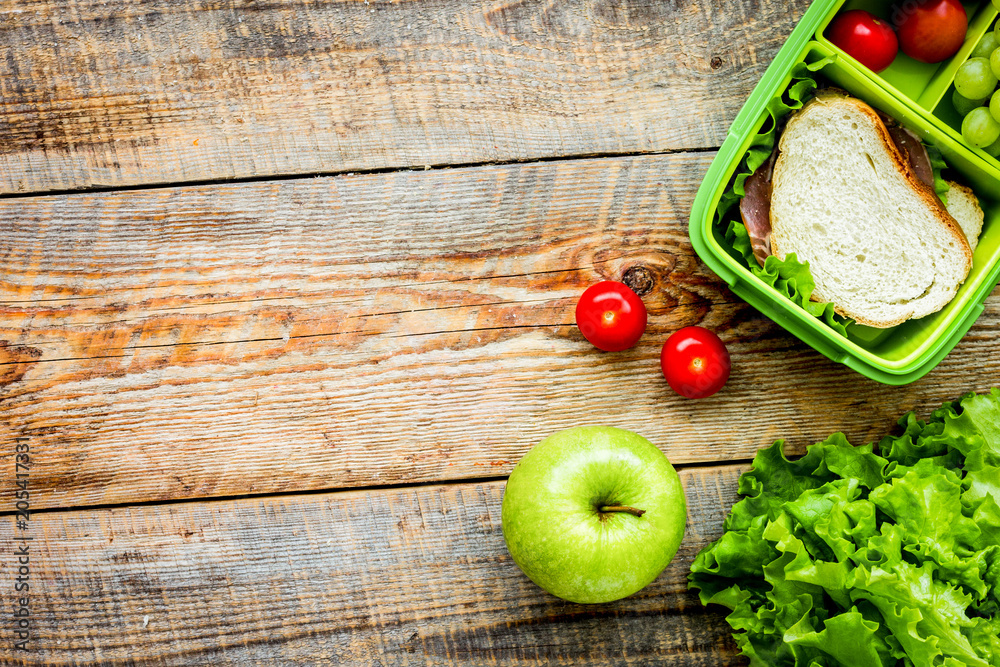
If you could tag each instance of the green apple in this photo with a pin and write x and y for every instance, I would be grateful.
(593, 513)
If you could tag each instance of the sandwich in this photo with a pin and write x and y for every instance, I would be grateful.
(852, 194)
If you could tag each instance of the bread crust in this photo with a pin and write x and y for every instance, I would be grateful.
(925, 192)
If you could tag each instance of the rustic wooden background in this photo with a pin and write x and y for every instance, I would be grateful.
(286, 290)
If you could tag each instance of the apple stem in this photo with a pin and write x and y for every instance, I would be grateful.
(622, 508)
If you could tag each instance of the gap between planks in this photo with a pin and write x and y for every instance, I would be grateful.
(271, 178)
(681, 467)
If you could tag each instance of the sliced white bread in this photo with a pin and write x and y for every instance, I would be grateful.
(964, 207)
(879, 243)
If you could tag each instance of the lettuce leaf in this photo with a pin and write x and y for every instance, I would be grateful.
(848, 556)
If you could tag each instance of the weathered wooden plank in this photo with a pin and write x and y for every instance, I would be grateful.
(357, 331)
(153, 91)
(416, 576)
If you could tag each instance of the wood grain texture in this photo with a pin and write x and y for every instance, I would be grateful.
(109, 94)
(395, 328)
(415, 576)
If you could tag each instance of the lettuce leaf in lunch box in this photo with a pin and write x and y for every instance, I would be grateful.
(941, 186)
(789, 277)
(856, 557)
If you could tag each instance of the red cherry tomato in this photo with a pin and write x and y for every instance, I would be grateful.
(932, 30)
(695, 362)
(611, 316)
(865, 37)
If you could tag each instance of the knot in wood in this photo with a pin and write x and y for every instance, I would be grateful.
(639, 279)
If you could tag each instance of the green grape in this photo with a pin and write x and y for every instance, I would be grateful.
(980, 128)
(964, 105)
(995, 62)
(986, 46)
(975, 78)
(995, 106)
(993, 149)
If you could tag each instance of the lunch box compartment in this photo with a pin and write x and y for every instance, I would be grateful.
(923, 84)
(901, 354)
(945, 109)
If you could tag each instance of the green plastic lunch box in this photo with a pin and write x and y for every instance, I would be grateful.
(919, 97)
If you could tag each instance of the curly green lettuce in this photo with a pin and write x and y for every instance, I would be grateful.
(861, 557)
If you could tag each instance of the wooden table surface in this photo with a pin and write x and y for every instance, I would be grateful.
(287, 288)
